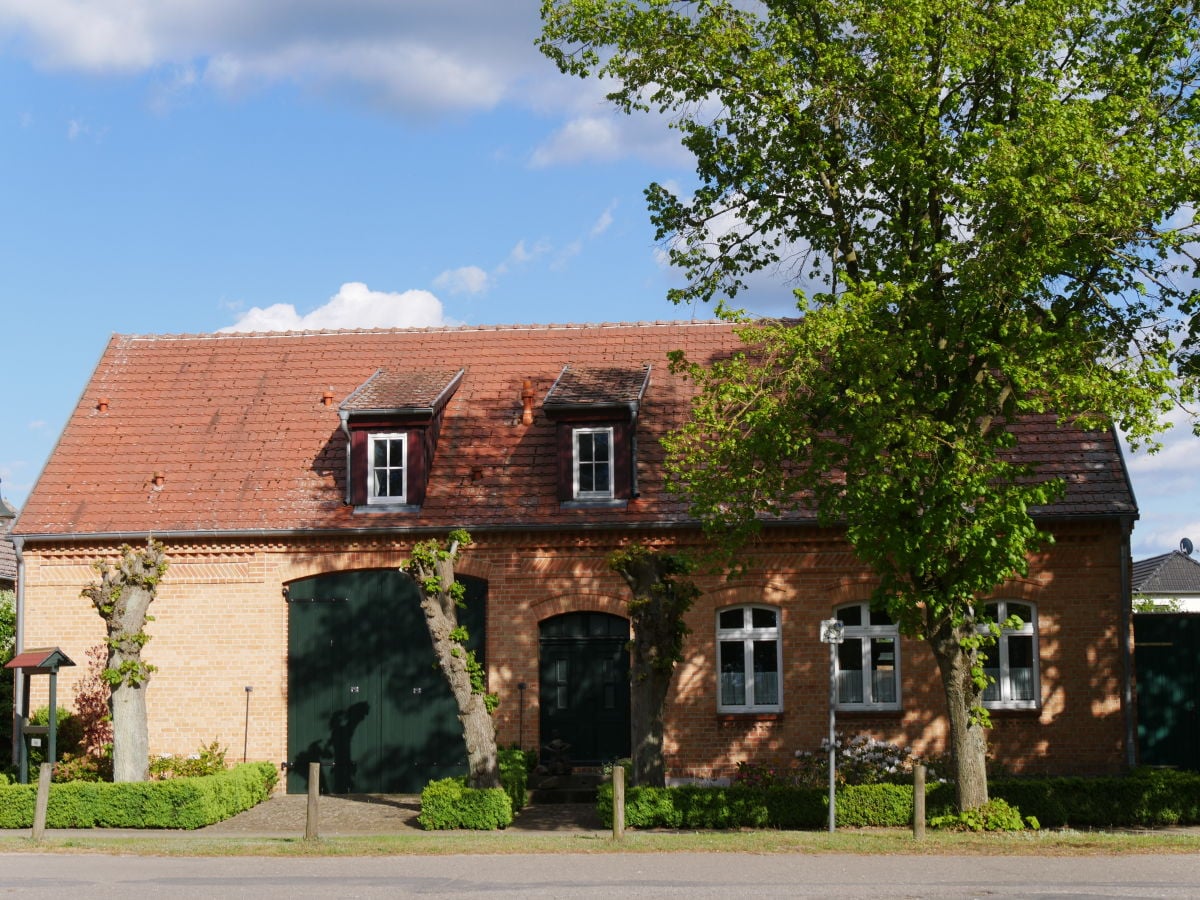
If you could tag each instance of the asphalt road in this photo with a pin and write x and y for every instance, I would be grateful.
(572, 875)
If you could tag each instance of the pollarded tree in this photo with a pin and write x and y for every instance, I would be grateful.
(432, 568)
(994, 201)
(656, 612)
(123, 596)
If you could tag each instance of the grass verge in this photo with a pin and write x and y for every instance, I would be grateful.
(856, 841)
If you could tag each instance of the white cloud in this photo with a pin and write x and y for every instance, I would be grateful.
(354, 306)
(605, 221)
(466, 280)
(1167, 487)
(419, 55)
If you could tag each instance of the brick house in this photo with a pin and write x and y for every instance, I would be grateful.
(289, 474)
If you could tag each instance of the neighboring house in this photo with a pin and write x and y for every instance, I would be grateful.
(288, 476)
(8, 553)
(1170, 581)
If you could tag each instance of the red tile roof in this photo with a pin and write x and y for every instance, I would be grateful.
(239, 429)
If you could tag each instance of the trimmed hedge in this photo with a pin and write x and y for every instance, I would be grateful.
(449, 803)
(1145, 798)
(177, 803)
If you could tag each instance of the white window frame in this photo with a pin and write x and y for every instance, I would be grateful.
(1005, 686)
(866, 636)
(748, 635)
(372, 439)
(610, 492)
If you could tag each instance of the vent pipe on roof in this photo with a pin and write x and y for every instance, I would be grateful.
(157, 479)
(102, 404)
(327, 398)
(527, 402)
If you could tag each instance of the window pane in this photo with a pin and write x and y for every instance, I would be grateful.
(879, 617)
(883, 674)
(730, 618)
(599, 477)
(762, 618)
(733, 674)
(992, 691)
(380, 448)
(587, 480)
(1020, 662)
(991, 611)
(850, 675)
(584, 440)
(396, 483)
(601, 448)
(380, 480)
(766, 673)
(850, 615)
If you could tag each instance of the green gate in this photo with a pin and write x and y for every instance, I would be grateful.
(365, 698)
(1167, 656)
(584, 680)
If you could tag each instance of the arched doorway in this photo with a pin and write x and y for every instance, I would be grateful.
(583, 671)
(365, 698)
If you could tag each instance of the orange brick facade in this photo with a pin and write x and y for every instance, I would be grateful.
(221, 625)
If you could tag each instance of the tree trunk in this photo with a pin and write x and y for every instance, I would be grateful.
(479, 730)
(646, 701)
(131, 737)
(968, 743)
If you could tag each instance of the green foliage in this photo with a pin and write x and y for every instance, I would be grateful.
(659, 603)
(1150, 605)
(138, 570)
(514, 774)
(8, 624)
(449, 803)
(1147, 798)
(68, 737)
(205, 761)
(995, 815)
(179, 803)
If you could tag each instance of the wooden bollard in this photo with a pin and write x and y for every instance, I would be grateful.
(314, 791)
(618, 776)
(43, 801)
(918, 802)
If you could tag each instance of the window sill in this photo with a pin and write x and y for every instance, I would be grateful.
(750, 716)
(1014, 711)
(594, 504)
(386, 508)
(869, 710)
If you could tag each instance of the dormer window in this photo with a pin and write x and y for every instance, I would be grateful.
(389, 467)
(593, 464)
(392, 421)
(595, 411)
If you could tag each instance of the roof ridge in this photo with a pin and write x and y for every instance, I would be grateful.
(428, 329)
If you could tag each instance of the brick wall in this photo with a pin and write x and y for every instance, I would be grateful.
(221, 625)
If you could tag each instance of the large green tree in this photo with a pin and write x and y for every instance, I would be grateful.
(992, 205)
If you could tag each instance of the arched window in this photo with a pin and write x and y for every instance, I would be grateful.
(749, 658)
(868, 659)
(1012, 662)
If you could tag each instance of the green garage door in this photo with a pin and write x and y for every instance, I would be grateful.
(1167, 657)
(365, 698)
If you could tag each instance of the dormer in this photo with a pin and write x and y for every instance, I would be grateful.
(595, 411)
(392, 422)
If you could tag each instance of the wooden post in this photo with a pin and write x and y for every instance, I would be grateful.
(618, 776)
(314, 791)
(42, 802)
(918, 802)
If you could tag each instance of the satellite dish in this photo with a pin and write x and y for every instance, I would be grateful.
(1185, 547)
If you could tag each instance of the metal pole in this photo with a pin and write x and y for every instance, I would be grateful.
(246, 732)
(832, 733)
(52, 734)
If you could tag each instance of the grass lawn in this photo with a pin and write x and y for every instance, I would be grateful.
(847, 841)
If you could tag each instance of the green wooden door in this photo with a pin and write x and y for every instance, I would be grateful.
(365, 698)
(584, 685)
(1167, 656)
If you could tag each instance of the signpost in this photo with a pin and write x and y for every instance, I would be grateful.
(833, 633)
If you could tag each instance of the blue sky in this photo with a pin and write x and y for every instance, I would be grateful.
(182, 166)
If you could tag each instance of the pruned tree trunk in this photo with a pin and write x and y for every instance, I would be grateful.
(123, 597)
(968, 743)
(433, 570)
(656, 612)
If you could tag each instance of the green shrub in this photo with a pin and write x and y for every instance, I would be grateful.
(449, 803)
(206, 761)
(68, 735)
(995, 815)
(514, 775)
(178, 803)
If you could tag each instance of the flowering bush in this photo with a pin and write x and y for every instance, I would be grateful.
(206, 761)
